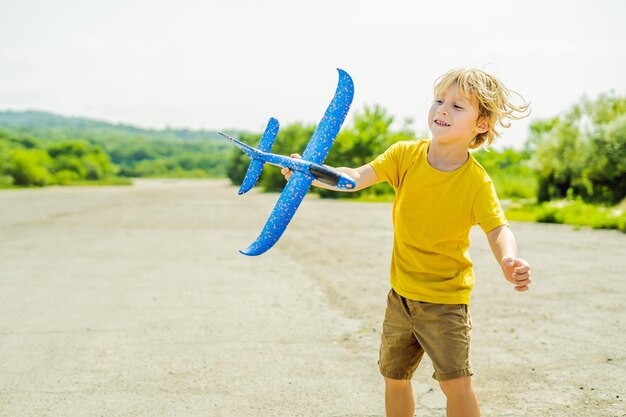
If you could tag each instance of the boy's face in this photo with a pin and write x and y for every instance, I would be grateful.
(453, 118)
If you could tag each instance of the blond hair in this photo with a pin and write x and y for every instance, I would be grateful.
(489, 95)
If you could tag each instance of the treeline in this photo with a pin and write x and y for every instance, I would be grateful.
(577, 156)
(38, 149)
(56, 127)
(28, 161)
(174, 158)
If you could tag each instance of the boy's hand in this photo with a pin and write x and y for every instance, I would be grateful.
(286, 171)
(517, 272)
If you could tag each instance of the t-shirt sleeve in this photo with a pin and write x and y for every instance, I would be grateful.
(487, 211)
(387, 165)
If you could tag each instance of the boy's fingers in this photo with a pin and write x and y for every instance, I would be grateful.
(522, 282)
(286, 171)
(520, 276)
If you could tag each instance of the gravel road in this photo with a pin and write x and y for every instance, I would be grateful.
(134, 301)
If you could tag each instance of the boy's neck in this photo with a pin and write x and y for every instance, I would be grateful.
(446, 157)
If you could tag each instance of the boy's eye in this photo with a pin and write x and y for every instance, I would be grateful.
(438, 101)
(458, 107)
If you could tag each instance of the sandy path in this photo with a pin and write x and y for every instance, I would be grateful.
(133, 301)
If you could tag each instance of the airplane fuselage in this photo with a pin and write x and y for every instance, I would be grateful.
(323, 173)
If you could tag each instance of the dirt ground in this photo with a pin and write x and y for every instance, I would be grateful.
(134, 301)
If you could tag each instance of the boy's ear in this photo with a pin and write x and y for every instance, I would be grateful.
(483, 125)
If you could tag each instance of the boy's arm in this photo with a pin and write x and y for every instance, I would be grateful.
(363, 176)
(504, 247)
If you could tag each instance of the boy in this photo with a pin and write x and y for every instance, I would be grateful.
(441, 192)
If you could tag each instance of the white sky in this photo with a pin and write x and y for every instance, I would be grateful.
(233, 64)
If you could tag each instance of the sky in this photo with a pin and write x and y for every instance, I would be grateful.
(233, 64)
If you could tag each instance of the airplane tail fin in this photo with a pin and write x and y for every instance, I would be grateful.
(269, 136)
(252, 176)
(248, 150)
(256, 165)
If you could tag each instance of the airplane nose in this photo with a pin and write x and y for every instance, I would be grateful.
(346, 182)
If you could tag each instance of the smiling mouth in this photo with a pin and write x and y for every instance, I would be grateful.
(440, 123)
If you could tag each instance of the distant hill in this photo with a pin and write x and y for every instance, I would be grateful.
(47, 125)
(41, 148)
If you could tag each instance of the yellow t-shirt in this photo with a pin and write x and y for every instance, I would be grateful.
(433, 212)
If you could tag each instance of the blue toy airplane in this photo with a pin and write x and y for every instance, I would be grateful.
(305, 170)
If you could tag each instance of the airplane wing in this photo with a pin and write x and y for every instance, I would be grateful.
(283, 212)
(328, 128)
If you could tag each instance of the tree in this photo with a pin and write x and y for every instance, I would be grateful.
(606, 170)
(86, 161)
(581, 153)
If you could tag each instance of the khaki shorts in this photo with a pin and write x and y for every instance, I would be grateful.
(414, 327)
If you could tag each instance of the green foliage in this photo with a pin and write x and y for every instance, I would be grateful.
(511, 172)
(78, 160)
(606, 170)
(583, 152)
(28, 161)
(520, 211)
(369, 136)
(580, 213)
(143, 157)
(84, 149)
(572, 212)
(515, 186)
(30, 167)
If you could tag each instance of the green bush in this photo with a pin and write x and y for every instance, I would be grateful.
(548, 214)
(515, 186)
(6, 181)
(511, 172)
(30, 167)
(579, 213)
(66, 177)
(87, 161)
